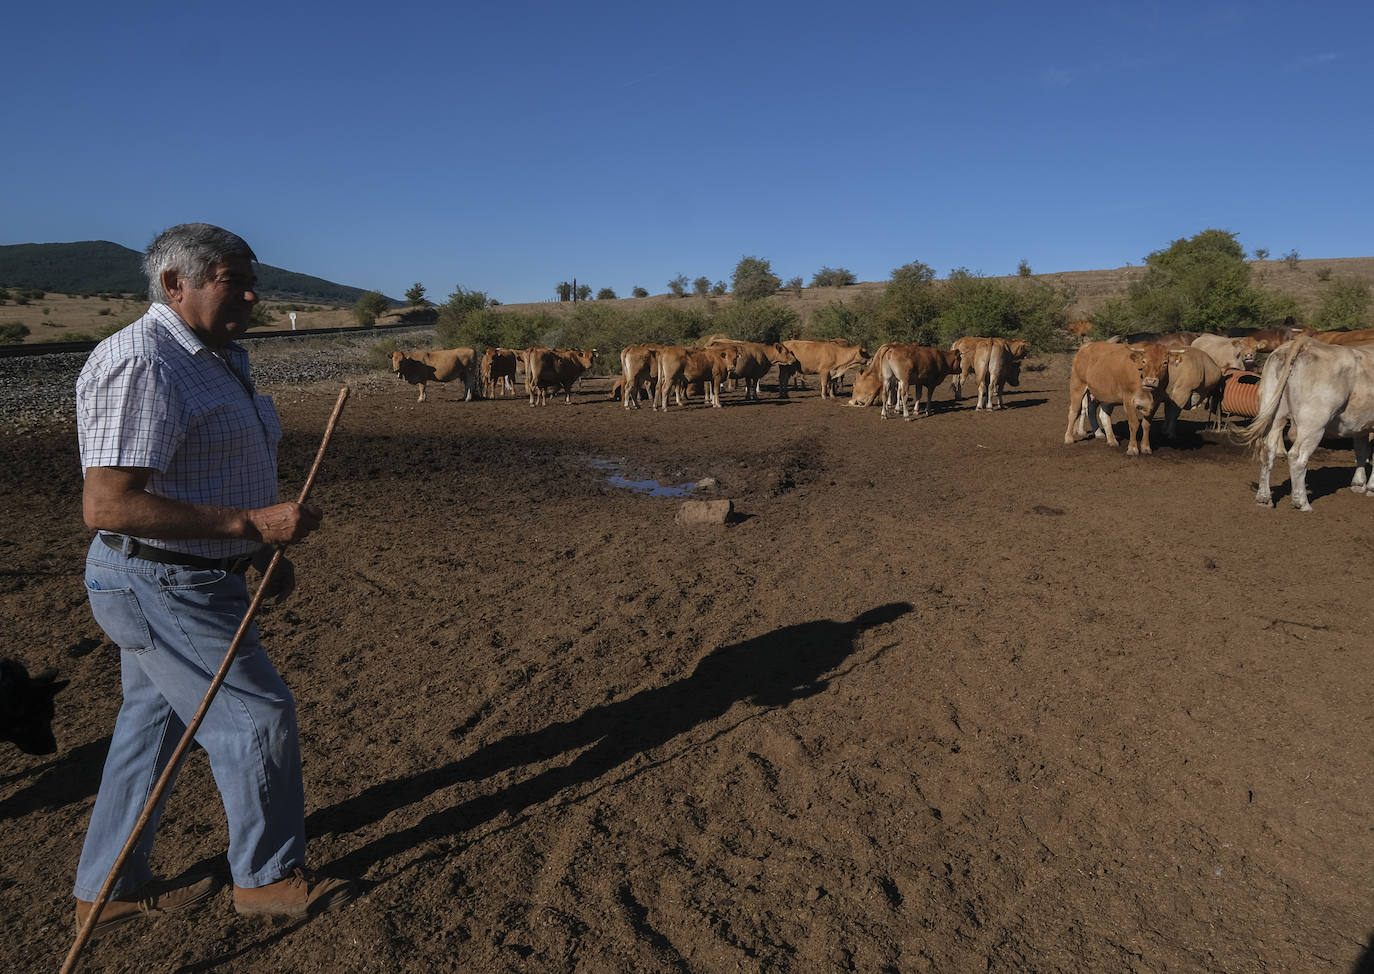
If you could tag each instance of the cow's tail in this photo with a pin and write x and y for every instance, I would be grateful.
(1271, 395)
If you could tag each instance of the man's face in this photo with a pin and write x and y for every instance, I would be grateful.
(219, 310)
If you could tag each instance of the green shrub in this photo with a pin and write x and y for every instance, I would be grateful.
(1323, 273)
(701, 286)
(1344, 305)
(368, 307)
(639, 292)
(678, 286)
(605, 294)
(1023, 269)
(379, 355)
(13, 332)
(832, 277)
(1291, 259)
(718, 289)
(756, 321)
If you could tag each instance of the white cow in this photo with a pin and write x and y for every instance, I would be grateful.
(1320, 390)
(1228, 353)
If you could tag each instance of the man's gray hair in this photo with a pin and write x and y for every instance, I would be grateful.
(192, 250)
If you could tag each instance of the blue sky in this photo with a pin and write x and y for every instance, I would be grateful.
(505, 147)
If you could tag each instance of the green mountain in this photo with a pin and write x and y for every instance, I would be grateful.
(95, 266)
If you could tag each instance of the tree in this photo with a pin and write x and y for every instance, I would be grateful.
(1201, 283)
(1291, 259)
(368, 307)
(564, 290)
(718, 288)
(639, 292)
(605, 294)
(909, 305)
(678, 285)
(1261, 253)
(1345, 305)
(583, 292)
(416, 295)
(754, 278)
(832, 277)
(701, 286)
(1023, 269)
(454, 314)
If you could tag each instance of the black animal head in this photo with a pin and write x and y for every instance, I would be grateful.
(26, 707)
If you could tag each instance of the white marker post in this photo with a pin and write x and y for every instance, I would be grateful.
(293, 321)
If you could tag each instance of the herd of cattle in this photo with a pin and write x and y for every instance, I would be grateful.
(1314, 384)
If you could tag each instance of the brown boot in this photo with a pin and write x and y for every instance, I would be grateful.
(298, 895)
(157, 897)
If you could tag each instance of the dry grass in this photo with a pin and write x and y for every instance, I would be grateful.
(62, 317)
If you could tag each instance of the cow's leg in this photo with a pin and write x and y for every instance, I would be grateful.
(901, 395)
(1271, 444)
(1360, 442)
(421, 397)
(1171, 412)
(1104, 425)
(1078, 401)
(1298, 455)
(1144, 433)
(1133, 424)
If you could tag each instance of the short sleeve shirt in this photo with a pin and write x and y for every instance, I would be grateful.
(154, 395)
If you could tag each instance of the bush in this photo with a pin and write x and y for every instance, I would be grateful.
(718, 289)
(754, 278)
(639, 292)
(701, 286)
(379, 355)
(369, 306)
(13, 332)
(795, 286)
(855, 321)
(416, 295)
(756, 321)
(678, 286)
(1345, 305)
(605, 294)
(1291, 259)
(1023, 269)
(1323, 274)
(832, 277)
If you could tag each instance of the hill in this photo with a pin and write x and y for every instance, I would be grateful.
(102, 267)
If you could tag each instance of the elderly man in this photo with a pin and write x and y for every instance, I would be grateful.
(180, 460)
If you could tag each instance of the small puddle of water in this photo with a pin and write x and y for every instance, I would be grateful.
(653, 488)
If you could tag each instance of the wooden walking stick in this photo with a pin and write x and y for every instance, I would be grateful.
(84, 934)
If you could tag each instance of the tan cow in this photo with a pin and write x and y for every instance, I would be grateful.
(830, 360)
(435, 365)
(1194, 379)
(1109, 373)
(996, 363)
(554, 368)
(678, 366)
(868, 384)
(1227, 353)
(498, 371)
(917, 367)
(967, 348)
(638, 370)
(754, 362)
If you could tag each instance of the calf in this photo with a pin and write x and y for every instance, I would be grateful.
(1111, 373)
(498, 371)
(678, 366)
(435, 365)
(26, 707)
(997, 363)
(918, 366)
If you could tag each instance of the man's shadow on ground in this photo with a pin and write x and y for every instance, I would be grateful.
(768, 671)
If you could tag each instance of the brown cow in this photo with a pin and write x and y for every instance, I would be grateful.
(498, 371)
(966, 347)
(996, 363)
(678, 366)
(918, 366)
(830, 360)
(554, 368)
(754, 362)
(638, 370)
(435, 365)
(1110, 373)
(1350, 339)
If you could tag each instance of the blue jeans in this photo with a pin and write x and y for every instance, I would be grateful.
(173, 626)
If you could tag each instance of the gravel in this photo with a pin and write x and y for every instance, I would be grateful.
(38, 391)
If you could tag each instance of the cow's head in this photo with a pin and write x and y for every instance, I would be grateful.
(26, 707)
(1152, 361)
(1019, 348)
(1249, 348)
(780, 354)
(396, 359)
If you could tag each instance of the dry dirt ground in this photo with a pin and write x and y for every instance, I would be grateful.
(947, 696)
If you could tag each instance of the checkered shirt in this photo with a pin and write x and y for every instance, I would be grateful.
(154, 395)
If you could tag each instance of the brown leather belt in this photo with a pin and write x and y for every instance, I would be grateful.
(132, 548)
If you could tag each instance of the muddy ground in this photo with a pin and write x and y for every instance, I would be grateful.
(946, 696)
